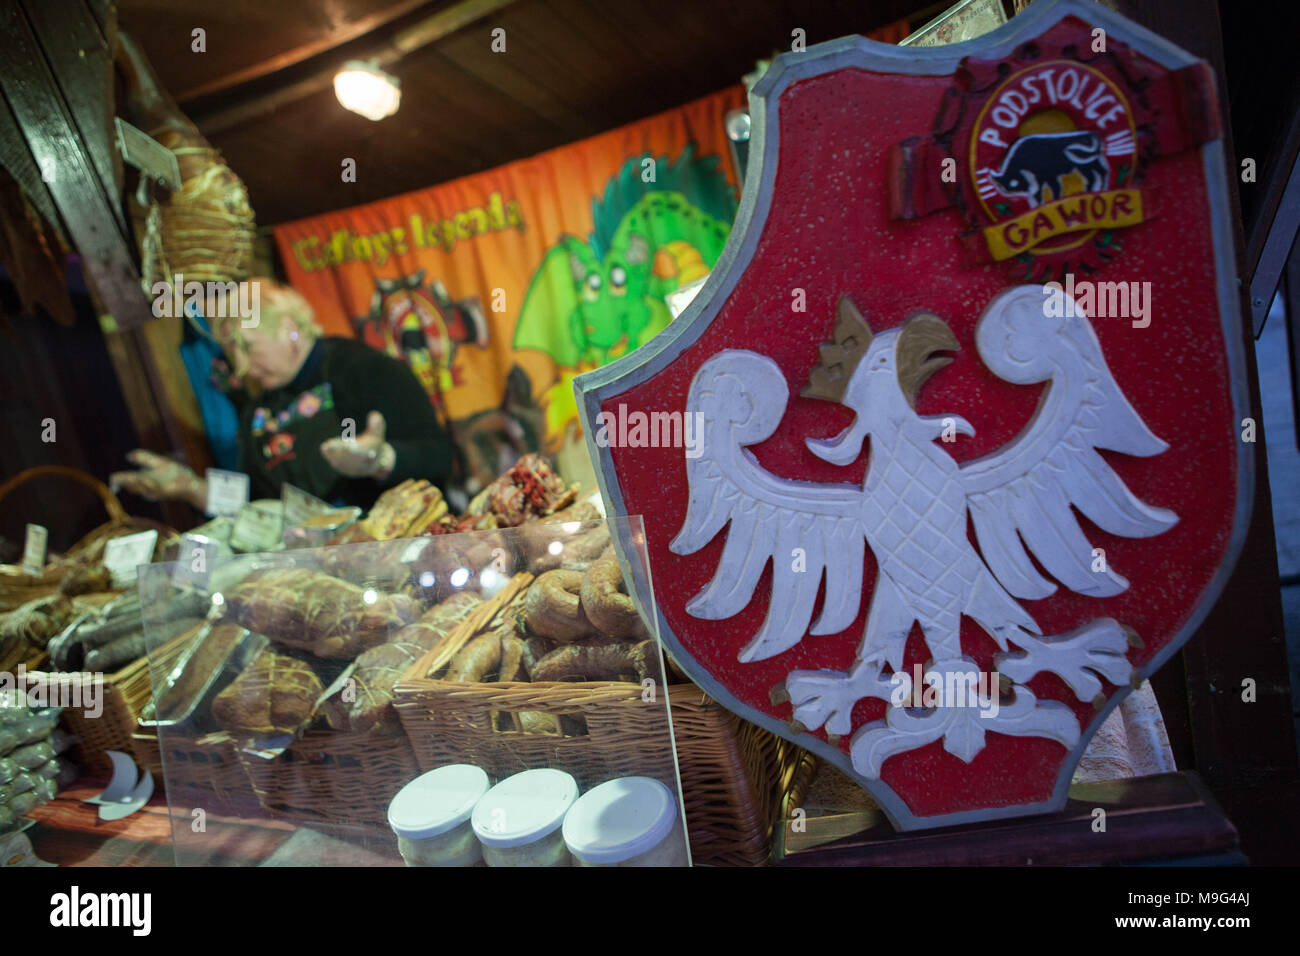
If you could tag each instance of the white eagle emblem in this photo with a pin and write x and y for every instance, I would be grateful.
(912, 510)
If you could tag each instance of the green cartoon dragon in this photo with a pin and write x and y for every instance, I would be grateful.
(591, 301)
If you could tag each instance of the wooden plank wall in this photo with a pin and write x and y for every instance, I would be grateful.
(56, 77)
(1245, 752)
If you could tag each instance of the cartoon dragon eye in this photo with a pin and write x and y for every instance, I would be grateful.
(593, 282)
(618, 277)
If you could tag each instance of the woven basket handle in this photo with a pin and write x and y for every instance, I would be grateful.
(116, 513)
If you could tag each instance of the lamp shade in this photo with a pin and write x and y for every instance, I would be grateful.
(364, 88)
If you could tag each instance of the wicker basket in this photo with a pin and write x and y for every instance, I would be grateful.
(332, 778)
(736, 778)
(739, 780)
(148, 752)
(341, 779)
(124, 694)
(448, 722)
(200, 771)
(734, 775)
(17, 589)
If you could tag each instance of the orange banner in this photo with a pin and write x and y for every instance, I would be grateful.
(500, 287)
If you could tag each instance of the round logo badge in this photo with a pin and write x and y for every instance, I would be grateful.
(1053, 156)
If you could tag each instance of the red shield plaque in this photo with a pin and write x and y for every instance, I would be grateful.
(946, 455)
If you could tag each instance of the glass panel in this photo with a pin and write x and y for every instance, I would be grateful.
(323, 681)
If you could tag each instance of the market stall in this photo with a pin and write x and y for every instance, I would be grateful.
(621, 501)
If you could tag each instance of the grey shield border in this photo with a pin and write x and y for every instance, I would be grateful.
(596, 387)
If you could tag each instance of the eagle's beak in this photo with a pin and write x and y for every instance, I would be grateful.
(844, 448)
(919, 339)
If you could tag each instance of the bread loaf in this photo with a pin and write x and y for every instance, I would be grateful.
(379, 669)
(317, 613)
(275, 695)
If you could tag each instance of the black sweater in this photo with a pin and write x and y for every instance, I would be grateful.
(361, 380)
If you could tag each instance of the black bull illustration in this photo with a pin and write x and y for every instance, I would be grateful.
(1045, 159)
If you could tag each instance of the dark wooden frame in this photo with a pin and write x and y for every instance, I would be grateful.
(56, 75)
(1245, 752)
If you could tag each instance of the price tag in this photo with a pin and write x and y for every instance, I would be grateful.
(194, 560)
(256, 529)
(34, 549)
(123, 556)
(299, 506)
(227, 491)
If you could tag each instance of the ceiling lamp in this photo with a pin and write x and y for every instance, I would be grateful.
(366, 89)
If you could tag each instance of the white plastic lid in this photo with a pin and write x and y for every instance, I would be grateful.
(524, 808)
(620, 819)
(437, 801)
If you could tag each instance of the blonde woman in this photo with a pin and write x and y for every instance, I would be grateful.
(329, 415)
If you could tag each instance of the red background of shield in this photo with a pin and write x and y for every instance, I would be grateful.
(828, 233)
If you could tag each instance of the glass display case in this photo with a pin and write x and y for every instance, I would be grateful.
(490, 697)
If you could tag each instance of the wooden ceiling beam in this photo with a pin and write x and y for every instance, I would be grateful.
(332, 39)
(442, 24)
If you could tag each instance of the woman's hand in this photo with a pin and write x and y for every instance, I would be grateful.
(366, 456)
(161, 479)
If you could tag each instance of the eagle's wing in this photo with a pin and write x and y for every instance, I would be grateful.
(1028, 485)
(806, 529)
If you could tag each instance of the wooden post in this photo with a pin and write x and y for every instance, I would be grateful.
(1245, 752)
(56, 73)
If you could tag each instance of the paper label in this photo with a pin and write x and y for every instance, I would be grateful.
(123, 556)
(256, 529)
(299, 506)
(34, 549)
(147, 154)
(227, 491)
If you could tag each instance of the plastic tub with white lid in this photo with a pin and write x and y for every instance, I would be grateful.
(518, 821)
(628, 821)
(431, 816)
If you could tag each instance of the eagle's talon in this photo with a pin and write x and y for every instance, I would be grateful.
(1096, 650)
(826, 698)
